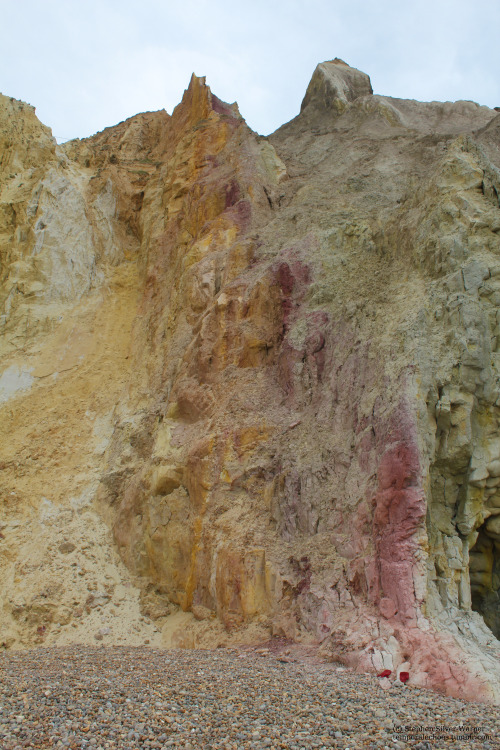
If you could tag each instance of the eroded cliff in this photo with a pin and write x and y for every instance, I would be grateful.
(262, 370)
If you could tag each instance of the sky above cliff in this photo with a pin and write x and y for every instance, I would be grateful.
(88, 65)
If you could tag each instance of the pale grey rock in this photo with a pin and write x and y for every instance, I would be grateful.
(335, 84)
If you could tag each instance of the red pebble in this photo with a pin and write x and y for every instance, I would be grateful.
(385, 673)
(404, 676)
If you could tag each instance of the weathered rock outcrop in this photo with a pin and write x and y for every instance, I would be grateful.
(270, 365)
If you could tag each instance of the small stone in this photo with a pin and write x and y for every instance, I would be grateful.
(66, 547)
(201, 613)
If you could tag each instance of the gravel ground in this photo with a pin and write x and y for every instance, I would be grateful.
(134, 698)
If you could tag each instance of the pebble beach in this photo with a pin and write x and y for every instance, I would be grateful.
(126, 698)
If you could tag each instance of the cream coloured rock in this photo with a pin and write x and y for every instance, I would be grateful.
(335, 84)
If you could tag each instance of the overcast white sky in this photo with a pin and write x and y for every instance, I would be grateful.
(87, 64)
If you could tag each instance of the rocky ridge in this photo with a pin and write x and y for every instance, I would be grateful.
(251, 385)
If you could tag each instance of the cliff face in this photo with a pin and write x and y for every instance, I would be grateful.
(262, 370)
